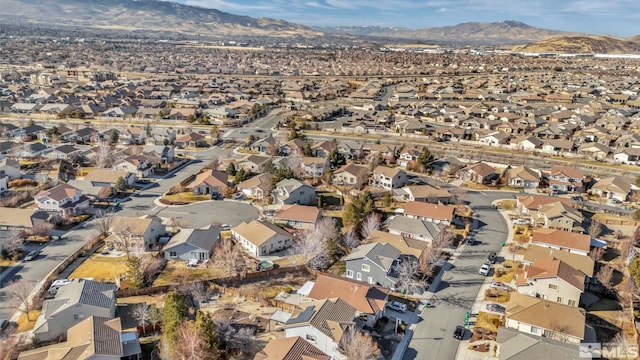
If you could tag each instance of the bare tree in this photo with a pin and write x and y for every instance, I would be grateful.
(356, 345)
(596, 253)
(14, 243)
(225, 330)
(151, 266)
(8, 344)
(442, 240)
(595, 228)
(459, 194)
(191, 344)
(199, 292)
(21, 290)
(409, 276)
(245, 340)
(103, 156)
(312, 244)
(605, 276)
(228, 255)
(350, 238)
(42, 229)
(104, 218)
(370, 224)
(140, 313)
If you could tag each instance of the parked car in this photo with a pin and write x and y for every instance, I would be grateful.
(397, 306)
(238, 196)
(32, 255)
(470, 240)
(53, 289)
(225, 227)
(484, 270)
(499, 286)
(492, 258)
(458, 333)
(495, 308)
(520, 221)
(616, 201)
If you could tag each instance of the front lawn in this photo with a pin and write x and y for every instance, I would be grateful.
(498, 296)
(489, 321)
(186, 197)
(27, 325)
(101, 268)
(506, 272)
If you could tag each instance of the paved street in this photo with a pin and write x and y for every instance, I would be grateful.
(432, 338)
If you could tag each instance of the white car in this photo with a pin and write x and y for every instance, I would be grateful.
(484, 270)
(397, 306)
(499, 286)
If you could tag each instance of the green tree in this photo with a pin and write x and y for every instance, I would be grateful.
(357, 210)
(120, 185)
(241, 175)
(308, 151)
(231, 169)
(293, 134)
(268, 167)
(191, 118)
(387, 200)
(53, 131)
(336, 159)
(426, 160)
(148, 128)
(207, 328)
(113, 136)
(282, 173)
(175, 311)
(135, 277)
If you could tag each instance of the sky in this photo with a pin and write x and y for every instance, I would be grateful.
(603, 17)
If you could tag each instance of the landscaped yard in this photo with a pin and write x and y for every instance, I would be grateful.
(101, 268)
(186, 197)
(177, 272)
(489, 321)
(329, 198)
(497, 296)
(26, 325)
(508, 204)
(506, 272)
(290, 260)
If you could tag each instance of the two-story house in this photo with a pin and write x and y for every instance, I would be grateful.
(73, 303)
(293, 191)
(140, 165)
(371, 263)
(322, 323)
(388, 178)
(192, 244)
(551, 279)
(256, 187)
(566, 179)
(423, 193)
(314, 167)
(261, 238)
(64, 199)
(10, 167)
(133, 234)
(292, 348)
(559, 215)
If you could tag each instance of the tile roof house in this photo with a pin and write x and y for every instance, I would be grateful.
(612, 188)
(388, 178)
(372, 263)
(559, 215)
(368, 300)
(292, 348)
(516, 345)
(192, 244)
(562, 240)
(566, 179)
(256, 187)
(64, 199)
(74, 302)
(95, 337)
(209, 182)
(261, 237)
(322, 323)
(298, 216)
(439, 214)
(541, 317)
(293, 191)
(551, 279)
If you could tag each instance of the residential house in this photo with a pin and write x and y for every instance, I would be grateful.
(413, 228)
(266, 145)
(131, 234)
(322, 323)
(546, 318)
(4, 182)
(551, 279)
(559, 215)
(313, 167)
(368, 300)
(584, 264)
(495, 138)
(253, 163)
(191, 140)
(292, 348)
(256, 187)
(372, 263)
(74, 302)
(166, 154)
(480, 173)
(293, 191)
(566, 179)
(10, 167)
(86, 134)
(209, 182)
(20, 219)
(32, 150)
(66, 151)
(612, 188)
(439, 214)
(388, 178)
(261, 238)
(192, 244)
(140, 165)
(298, 216)
(408, 158)
(522, 177)
(526, 143)
(64, 199)
(528, 205)
(406, 245)
(353, 175)
(323, 148)
(628, 155)
(96, 337)
(562, 240)
(110, 177)
(423, 193)
(594, 151)
(515, 345)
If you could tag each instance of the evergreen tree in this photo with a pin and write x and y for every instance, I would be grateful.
(336, 159)
(241, 175)
(281, 174)
(135, 277)
(356, 211)
(120, 185)
(175, 311)
(231, 169)
(426, 160)
(308, 151)
(207, 328)
(113, 136)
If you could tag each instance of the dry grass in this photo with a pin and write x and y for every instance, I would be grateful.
(508, 204)
(507, 273)
(489, 321)
(27, 325)
(6, 263)
(141, 299)
(101, 268)
(185, 197)
(291, 260)
(497, 296)
(176, 272)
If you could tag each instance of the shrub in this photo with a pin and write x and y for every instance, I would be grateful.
(22, 183)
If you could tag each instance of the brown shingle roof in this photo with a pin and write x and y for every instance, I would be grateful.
(562, 239)
(293, 348)
(302, 213)
(365, 298)
(427, 210)
(583, 263)
(551, 268)
(211, 178)
(546, 314)
(532, 202)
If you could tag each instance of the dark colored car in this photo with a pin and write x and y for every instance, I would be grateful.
(458, 333)
(32, 255)
(492, 258)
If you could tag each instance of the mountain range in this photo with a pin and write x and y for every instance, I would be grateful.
(165, 16)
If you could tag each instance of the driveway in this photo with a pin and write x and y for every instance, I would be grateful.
(433, 337)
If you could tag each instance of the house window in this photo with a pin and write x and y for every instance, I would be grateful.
(76, 317)
(311, 338)
(572, 303)
(548, 333)
(535, 330)
(350, 274)
(559, 300)
(370, 280)
(553, 287)
(366, 267)
(173, 254)
(358, 276)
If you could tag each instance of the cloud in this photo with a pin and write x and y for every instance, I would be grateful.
(441, 10)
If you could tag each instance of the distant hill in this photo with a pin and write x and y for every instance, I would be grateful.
(502, 32)
(147, 15)
(582, 45)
